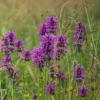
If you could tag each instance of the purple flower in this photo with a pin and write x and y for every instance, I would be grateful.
(26, 55)
(8, 58)
(83, 91)
(47, 43)
(19, 45)
(52, 24)
(79, 36)
(9, 42)
(4, 64)
(38, 57)
(79, 74)
(61, 75)
(43, 30)
(11, 37)
(50, 88)
(35, 96)
(60, 48)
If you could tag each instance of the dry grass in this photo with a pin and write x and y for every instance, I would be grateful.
(23, 14)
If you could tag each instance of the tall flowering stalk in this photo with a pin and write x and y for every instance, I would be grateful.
(8, 46)
(79, 36)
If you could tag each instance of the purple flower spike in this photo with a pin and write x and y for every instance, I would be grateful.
(26, 55)
(79, 74)
(48, 42)
(83, 91)
(50, 88)
(38, 57)
(5, 41)
(43, 30)
(60, 48)
(19, 45)
(52, 24)
(9, 42)
(11, 37)
(79, 36)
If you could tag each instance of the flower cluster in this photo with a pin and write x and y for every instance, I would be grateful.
(60, 48)
(9, 45)
(52, 46)
(26, 55)
(52, 25)
(83, 91)
(49, 27)
(79, 74)
(38, 57)
(19, 45)
(50, 88)
(47, 44)
(79, 36)
(55, 72)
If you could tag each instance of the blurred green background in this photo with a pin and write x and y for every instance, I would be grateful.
(25, 16)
